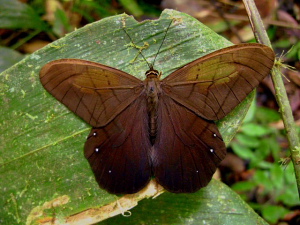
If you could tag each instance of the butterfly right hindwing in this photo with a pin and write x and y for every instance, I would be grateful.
(187, 150)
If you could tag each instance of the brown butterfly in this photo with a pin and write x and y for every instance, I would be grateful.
(162, 128)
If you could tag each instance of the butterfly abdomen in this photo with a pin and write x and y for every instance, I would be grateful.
(153, 91)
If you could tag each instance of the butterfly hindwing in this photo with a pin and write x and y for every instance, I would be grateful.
(187, 149)
(119, 153)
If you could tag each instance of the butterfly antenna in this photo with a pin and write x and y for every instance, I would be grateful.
(140, 52)
(162, 42)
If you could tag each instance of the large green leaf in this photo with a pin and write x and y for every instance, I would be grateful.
(215, 204)
(43, 171)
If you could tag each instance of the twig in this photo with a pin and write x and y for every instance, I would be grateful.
(281, 96)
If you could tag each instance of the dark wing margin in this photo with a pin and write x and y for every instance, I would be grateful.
(119, 153)
(215, 84)
(187, 150)
(95, 92)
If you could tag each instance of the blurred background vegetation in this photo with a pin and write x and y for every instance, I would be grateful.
(257, 165)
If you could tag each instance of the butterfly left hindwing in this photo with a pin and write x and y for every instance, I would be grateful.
(119, 153)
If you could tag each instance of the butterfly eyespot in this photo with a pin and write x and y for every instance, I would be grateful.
(197, 171)
(214, 135)
(96, 149)
(211, 150)
(95, 134)
(109, 171)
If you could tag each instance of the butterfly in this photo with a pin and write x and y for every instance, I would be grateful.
(157, 127)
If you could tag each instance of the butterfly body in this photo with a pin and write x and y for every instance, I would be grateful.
(153, 92)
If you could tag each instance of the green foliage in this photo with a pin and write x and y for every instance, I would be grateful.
(285, 41)
(91, 10)
(294, 52)
(258, 143)
(133, 7)
(8, 57)
(61, 23)
(273, 213)
(15, 14)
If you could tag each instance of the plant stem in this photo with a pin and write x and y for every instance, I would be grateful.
(281, 95)
(26, 39)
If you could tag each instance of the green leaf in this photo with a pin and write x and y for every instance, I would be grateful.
(244, 186)
(265, 165)
(133, 7)
(294, 52)
(215, 204)
(43, 171)
(264, 148)
(248, 141)
(15, 14)
(275, 147)
(242, 151)
(287, 196)
(287, 193)
(262, 178)
(277, 176)
(261, 152)
(289, 173)
(266, 115)
(88, 9)
(8, 57)
(61, 24)
(251, 113)
(255, 130)
(273, 213)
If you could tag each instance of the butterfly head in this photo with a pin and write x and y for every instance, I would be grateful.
(152, 73)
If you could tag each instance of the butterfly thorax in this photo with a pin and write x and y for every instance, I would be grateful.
(153, 91)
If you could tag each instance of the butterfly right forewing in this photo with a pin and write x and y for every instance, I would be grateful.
(213, 85)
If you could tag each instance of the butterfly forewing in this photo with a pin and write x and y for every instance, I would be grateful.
(95, 92)
(212, 86)
(119, 153)
(187, 149)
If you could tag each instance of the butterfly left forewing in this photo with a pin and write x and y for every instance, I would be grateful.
(215, 84)
(97, 93)
(119, 153)
(187, 149)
